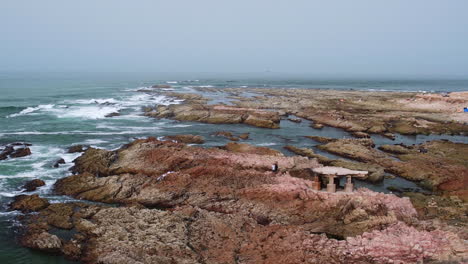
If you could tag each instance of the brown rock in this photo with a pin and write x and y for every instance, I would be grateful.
(217, 114)
(95, 161)
(43, 241)
(244, 136)
(20, 152)
(317, 126)
(58, 162)
(33, 185)
(28, 203)
(77, 148)
(360, 135)
(246, 148)
(187, 139)
(113, 114)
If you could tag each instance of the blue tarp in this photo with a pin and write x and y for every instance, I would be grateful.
(465, 109)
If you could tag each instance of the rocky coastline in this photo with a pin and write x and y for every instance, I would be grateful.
(166, 201)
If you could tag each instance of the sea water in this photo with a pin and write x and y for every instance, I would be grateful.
(54, 111)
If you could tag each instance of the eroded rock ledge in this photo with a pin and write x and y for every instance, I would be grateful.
(182, 204)
(216, 114)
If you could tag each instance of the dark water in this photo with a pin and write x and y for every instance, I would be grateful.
(54, 111)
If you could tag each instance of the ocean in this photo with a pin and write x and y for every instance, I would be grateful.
(55, 110)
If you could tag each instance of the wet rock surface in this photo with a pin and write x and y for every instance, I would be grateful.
(217, 114)
(438, 165)
(187, 139)
(33, 185)
(28, 203)
(58, 162)
(15, 150)
(77, 148)
(182, 204)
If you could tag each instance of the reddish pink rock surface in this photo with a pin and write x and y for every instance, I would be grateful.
(195, 205)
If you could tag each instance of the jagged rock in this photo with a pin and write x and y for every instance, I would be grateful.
(33, 185)
(58, 162)
(95, 161)
(43, 241)
(77, 148)
(188, 204)
(217, 114)
(187, 139)
(20, 152)
(360, 135)
(6, 152)
(28, 203)
(441, 167)
(321, 139)
(113, 114)
(396, 149)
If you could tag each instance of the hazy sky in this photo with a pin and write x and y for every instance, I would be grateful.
(338, 38)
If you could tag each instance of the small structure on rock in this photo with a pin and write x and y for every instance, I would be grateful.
(334, 172)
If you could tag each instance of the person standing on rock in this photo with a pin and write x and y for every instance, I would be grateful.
(274, 167)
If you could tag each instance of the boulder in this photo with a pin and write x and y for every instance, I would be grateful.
(360, 135)
(58, 162)
(113, 114)
(28, 203)
(33, 185)
(6, 152)
(187, 139)
(20, 152)
(42, 241)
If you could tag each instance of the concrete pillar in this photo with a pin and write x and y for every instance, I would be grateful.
(331, 187)
(349, 186)
(316, 184)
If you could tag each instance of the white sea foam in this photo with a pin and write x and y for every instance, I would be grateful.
(87, 112)
(30, 110)
(98, 108)
(94, 141)
(172, 82)
(95, 101)
(266, 144)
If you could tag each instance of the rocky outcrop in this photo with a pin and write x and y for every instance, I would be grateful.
(376, 172)
(231, 136)
(58, 162)
(175, 203)
(437, 165)
(217, 114)
(250, 149)
(28, 203)
(33, 185)
(77, 148)
(369, 112)
(187, 139)
(15, 150)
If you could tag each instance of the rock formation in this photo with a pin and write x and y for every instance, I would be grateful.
(180, 204)
(217, 114)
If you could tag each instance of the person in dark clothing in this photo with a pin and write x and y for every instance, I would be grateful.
(274, 167)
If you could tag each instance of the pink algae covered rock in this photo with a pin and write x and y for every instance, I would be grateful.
(400, 243)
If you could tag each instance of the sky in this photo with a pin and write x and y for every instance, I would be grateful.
(426, 38)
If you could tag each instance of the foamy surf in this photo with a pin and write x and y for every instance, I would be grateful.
(30, 110)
